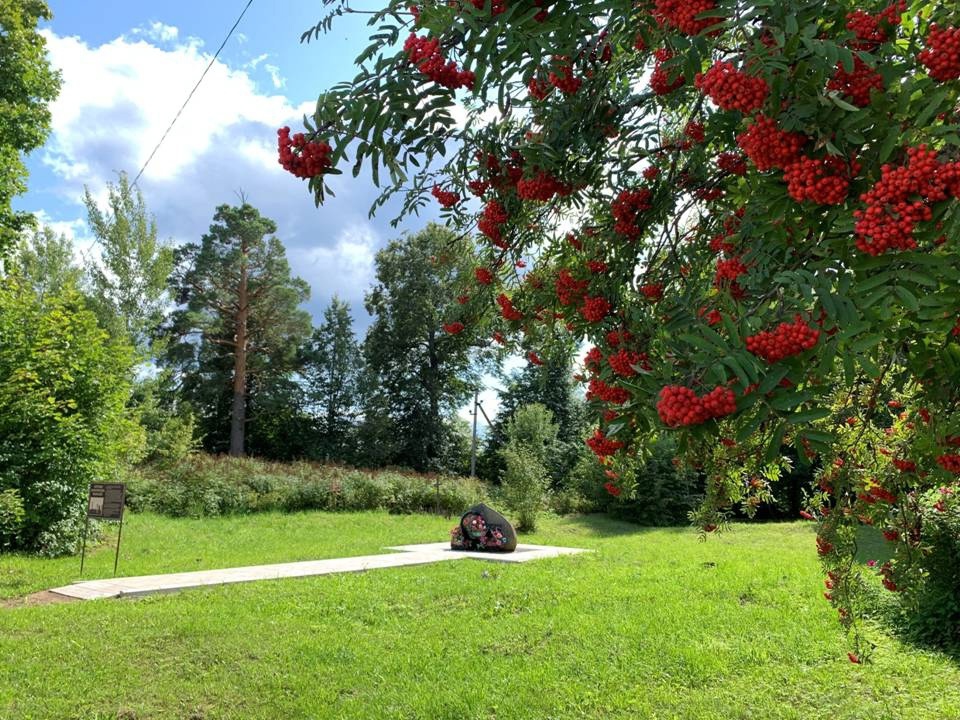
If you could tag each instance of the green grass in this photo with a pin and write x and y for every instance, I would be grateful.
(654, 624)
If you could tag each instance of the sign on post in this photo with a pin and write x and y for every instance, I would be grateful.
(105, 501)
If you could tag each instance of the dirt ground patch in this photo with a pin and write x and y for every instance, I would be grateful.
(44, 597)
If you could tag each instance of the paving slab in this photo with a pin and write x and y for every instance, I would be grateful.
(523, 553)
(408, 555)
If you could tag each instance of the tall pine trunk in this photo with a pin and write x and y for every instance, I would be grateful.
(238, 413)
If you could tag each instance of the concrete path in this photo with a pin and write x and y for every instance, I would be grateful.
(408, 555)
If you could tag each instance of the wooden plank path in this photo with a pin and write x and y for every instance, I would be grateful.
(407, 555)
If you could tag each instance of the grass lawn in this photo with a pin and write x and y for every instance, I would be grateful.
(654, 624)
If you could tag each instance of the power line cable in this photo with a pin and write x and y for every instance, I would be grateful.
(185, 102)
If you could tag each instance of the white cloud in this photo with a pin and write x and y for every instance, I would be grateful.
(274, 72)
(159, 32)
(121, 96)
(344, 268)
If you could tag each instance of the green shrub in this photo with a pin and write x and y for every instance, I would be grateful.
(205, 485)
(64, 423)
(524, 485)
(11, 518)
(662, 494)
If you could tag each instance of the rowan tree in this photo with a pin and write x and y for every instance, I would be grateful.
(749, 207)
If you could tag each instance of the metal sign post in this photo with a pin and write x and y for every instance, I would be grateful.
(105, 501)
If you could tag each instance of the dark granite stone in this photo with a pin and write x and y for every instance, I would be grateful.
(484, 529)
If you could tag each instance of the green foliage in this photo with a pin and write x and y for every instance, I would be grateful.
(63, 418)
(27, 85)
(331, 366)
(202, 485)
(44, 262)
(12, 515)
(551, 386)
(129, 277)
(416, 374)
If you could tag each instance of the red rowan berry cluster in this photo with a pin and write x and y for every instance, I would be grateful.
(713, 317)
(539, 89)
(497, 7)
(541, 187)
(478, 187)
(824, 181)
(595, 309)
(651, 173)
(615, 338)
(950, 463)
(424, 52)
(563, 78)
(612, 489)
(941, 56)
(305, 159)
(507, 310)
(662, 81)
(871, 30)
(624, 362)
(728, 274)
(902, 198)
(593, 360)
(769, 147)
(597, 267)
(626, 210)
(787, 340)
(454, 328)
(603, 446)
(680, 406)
(731, 89)
(652, 291)
(599, 390)
(533, 358)
(483, 275)
(732, 163)
(904, 465)
(886, 575)
(490, 223)
(444, 197)
(570, 290)
(695, 131)
(682, 15)
(856, 85)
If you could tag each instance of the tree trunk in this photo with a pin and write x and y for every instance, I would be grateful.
(238, 419)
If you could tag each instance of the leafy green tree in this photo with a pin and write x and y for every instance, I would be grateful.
(64, 385)
(551, 385)
(27, 85)
(130, 278)
(44, 261)
(531, 438)
(332, 364)
(239, 315)
(418, 372)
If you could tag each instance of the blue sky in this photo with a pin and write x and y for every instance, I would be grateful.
(128, 66)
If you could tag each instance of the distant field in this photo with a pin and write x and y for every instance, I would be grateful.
(653, 624)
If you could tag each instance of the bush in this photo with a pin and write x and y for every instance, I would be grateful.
(64, 423)
(524, 485)
(203, 485)
(663, 495)
(11, 518)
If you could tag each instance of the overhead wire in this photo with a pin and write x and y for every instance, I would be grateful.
(190, 95)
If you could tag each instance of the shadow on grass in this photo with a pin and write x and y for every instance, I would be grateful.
(599, 525)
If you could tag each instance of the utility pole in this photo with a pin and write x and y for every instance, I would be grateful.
(473, 444)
